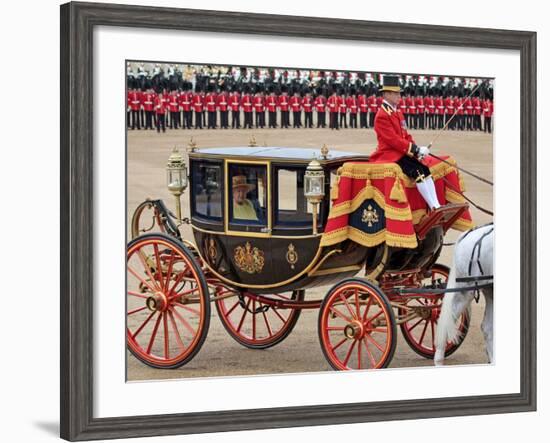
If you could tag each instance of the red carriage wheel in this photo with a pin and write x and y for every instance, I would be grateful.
(357, 326)
(419, 332)
(252, 323)
(168, 306)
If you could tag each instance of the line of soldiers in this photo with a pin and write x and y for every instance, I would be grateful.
(219, 108)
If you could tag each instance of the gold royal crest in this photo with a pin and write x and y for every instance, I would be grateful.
(249, 259)
(370, 216)
(291, 255)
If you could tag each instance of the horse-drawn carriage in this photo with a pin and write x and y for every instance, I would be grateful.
(270, 223)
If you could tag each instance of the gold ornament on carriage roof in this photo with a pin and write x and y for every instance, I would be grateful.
(324, 151)
(191, 146)
(249, 259)
(291, 255)
(252, 143)
(370, 216)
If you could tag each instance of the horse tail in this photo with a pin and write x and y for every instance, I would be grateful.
(448, 331)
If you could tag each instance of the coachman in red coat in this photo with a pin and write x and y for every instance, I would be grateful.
(395, 144)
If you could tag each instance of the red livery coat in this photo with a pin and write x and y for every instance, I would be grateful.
(296, 104)
(185, 100)
(363, 104)
(271, 103)
(235, 102)
(393, 139)
(246, 103)
(320, 103)
(223, 101)
(211, 101)
(373, 104)
(283, 102)
(351, 103)
(259, 103)
(148, 101)
(135, 100)
(173, 104)
(307, 103)
(198, 103)
(333, 103)
(160, 105)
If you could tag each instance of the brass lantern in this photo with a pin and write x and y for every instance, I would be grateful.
(176, 177)
(314, 187)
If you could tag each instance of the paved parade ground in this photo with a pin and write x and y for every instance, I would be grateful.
(220, 355)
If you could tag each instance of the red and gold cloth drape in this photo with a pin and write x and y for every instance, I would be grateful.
(374, 203)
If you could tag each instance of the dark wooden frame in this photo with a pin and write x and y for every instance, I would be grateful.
(77, 23)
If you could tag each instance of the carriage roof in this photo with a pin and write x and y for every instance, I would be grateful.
(292, 154)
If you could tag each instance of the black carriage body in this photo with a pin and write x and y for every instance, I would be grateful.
(278, 251)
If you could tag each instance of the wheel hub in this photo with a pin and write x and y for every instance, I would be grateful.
(354, 330)
(157, 302)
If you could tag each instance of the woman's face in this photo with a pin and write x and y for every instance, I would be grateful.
(239, 195)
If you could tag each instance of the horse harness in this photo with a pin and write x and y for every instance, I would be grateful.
(474, 259)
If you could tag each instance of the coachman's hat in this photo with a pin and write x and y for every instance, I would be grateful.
(391, 84)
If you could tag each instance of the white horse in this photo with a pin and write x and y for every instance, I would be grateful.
(473, 257)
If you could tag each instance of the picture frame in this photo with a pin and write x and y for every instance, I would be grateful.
(78, 21)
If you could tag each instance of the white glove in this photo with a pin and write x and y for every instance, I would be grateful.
(423, 151)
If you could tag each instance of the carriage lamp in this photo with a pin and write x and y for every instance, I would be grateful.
(314, 187)
(176, 177)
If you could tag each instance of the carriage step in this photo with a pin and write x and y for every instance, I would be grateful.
(444, 216)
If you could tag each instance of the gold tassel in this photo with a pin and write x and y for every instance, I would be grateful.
(334, 189)
(369, 191)
(397, 193)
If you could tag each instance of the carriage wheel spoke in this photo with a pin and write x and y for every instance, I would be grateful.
(184, 322)
(375, 316)
(369, 353)
(416, 324)
(154, 334)
(178, 279)
(159, 268)
(348, 355)
(135, 311)
(340, 343)
(367, 308)
(187, 308)
(147, 270)
(141, 279)
(175, 327)
(166, 338)
(228, 313)
(335, 328)
(267, 324)
(169, 272)
(254, 319)
(183, 294)
(423, 334)
(345, 300)
(245, 311)
(137, 294)
(374, 342)
(357, 308)
(276, 311)
(339, 314)
(135, 334)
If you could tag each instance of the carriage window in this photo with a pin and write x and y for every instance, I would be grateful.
(207, 190)
(248, 193)
(292, 207)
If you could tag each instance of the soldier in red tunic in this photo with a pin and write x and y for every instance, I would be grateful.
(198, 107)
(296, 106)
(211, 103)
(223, 106)
(459, 109)
(395, 144)
(135, 105)
(148, 106)
(430, 111)
(246, 104)
(352, 105)
(160, 112)
(476, 103)
(284, 106)
(343, 109)
(259, 109)
(271, 103)
(307, 104)
(487, 115)
(410, 116)
(333, 104)
(439, 111)
(174, 108)
(449, 110)
(186, 98)
(420, 111)
(235, 105)
(468, 112)
(321, 106)
(373, 109)
(363, 104)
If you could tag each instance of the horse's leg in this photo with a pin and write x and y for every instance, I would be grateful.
(487, 324)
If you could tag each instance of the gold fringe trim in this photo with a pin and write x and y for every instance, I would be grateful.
(462, 224)
(369, 240)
